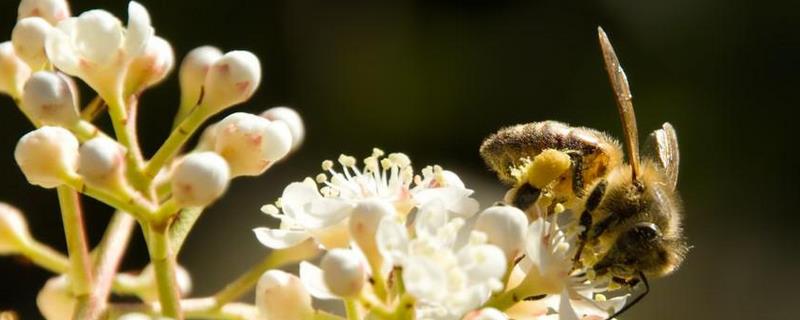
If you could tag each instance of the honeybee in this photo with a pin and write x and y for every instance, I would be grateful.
(630, 211)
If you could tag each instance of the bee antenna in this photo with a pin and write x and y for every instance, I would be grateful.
(635, 300)
(622, 93)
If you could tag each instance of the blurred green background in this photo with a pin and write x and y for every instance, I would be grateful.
(432, 78)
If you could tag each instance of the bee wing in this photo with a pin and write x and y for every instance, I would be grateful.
(662, 146)
(622, 92)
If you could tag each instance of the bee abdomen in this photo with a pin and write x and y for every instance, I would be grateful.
(509, 146)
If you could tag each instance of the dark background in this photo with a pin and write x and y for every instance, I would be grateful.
(432, 78)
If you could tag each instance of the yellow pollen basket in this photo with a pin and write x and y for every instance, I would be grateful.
(546, 167)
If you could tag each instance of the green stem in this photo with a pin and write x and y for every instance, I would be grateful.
(124, 129)
(181, 226)
(46, 257)
(175, 141)
(109, 255)
(405, 307)
(167, 210)
(351, 310)
(136, 206)
(505, 300)
(164, 266)
(93, 109)
(80, 268)
(85, 131)
(306, 250)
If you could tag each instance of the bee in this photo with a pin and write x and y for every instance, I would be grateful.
(630, 211)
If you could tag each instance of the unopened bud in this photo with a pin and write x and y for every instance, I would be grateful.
(193, 72)
(55, 300)
(281, 295)
(101, 162)
(505, 228)
(47, 155)
(28, 38)
(343, 273)
(231, 80)
(292, 119)
(146, 288)
(151, 67)
(208, 139)
(13, 230)
(51, 10)
(199, 179)
(13, 71)
(364, 224)
(48, 98)
(251, 143)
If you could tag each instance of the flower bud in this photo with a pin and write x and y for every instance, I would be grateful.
(101, 162)
(292, 119)
(28, 38)
(208, 139)
(47, 155)
(281, 295)
(343, 273)
(55, 300)
(251, 143)
(13, 71)
(51, 10)
(231, 80)
(13, 230)
(145, 287)
(505, 228)
(199, 179)
(151, 67)
(364, 222)
(193, 72)
(48, 98)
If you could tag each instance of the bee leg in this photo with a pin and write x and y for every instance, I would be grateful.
(586, 217)
(632, 284)
(577, 172)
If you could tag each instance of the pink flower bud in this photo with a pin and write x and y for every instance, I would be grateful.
(292, 119)
(251, 143)
(101, 162)
(47, 155)
(199, 179)
(281, 295)
(193, 72)
(364, 222)
(151, 67)
(231, 80)
(28, 38)
(48, 98)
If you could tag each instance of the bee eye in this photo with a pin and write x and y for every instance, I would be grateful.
(647, 231)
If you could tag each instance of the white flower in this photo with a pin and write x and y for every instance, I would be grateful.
(96, 48)
(151, 67)
(251, 143)
(49, 99)
(28, 38)
(292, 119)
(505, 227)
(55, 300)
(51, 10)
(231, 80)
(281, 295)
(14, 72)
(13, 230)
(199, 179)
(192, 73)
(447, 278)
(101, 162)
(47, 156)
(437, 184)
(486, 314)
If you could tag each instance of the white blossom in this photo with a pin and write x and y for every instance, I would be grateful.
(281, 295)
(232, 79)
(101, 161)
(51, 10)
(192, 74)
(251, 143)
(151, 67)
(199, 178)
(14, 72)
(47, 156)
(505, 227)
(292, 119)
(343, 273)
(96, 48)
(48, 98)
(28, 38)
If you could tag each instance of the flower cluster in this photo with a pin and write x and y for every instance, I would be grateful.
(402, 245)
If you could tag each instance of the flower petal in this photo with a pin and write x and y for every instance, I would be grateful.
(280, 239)
(58, 46)
(139, 29)
(312, 279)
(392, 240)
